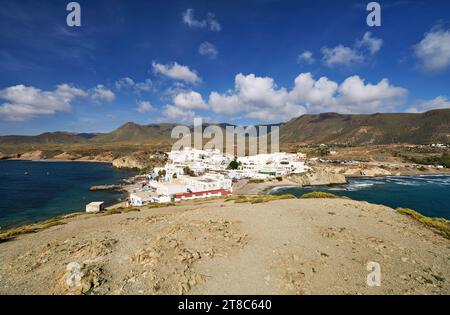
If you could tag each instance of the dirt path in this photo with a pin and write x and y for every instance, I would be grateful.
(216, 247)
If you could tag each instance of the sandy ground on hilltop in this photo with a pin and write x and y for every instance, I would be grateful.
(298, 246)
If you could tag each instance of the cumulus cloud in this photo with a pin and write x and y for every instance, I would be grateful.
(144, 107)
(189, 100)
(371, 43)
(260, 98)
(124, 83)
(355, 96)
(433, 52)
(256, 97)
(426, 105)
(348, 56)
(127, 83)
(145, 86)
(306, 57)
(176, 71)
(208, 49)
(341, 55)
(102, 94)
(23, 102)
(177, 114)
(210, 21)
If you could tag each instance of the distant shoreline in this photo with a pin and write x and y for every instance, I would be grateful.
(56, 161)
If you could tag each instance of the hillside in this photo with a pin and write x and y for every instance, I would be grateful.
(301, 246)
(134, 133)
(332, 128)
(429, 127)
(47, 138)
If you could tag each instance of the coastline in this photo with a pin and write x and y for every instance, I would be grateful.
(56, 210)
(264, 190)
(56, 161)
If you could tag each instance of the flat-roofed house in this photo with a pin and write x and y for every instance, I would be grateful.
(95, 207)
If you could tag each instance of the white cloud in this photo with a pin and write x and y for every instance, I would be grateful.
(373, 44)
(210, 21)
(427, 105)
(178, 114)
(177, 72)
(341, 56)
(306, 57)
(433, 51)
(145, 86)
(347, 56)
(102, 94)
(208, 49)
(144, 107)
(23, 103)
(256, 97)
(355, 96)
(137, 87)
(224, 103)
(260, 98)
(189, 100)
(124, 83)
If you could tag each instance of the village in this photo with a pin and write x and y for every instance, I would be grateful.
(195, 174)
(190, 174)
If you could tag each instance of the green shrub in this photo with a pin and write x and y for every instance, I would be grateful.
(256, 181)
(259, 198)
(442, 226)
(28, 229)
(321, 195)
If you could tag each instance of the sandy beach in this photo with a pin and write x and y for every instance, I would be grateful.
(317, 246)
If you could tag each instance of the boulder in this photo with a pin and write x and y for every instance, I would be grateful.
(319, 177)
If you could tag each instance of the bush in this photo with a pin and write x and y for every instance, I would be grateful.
(259, 199)
(442, 226)
(321, 195)
(256, 181)
(279, 178)
(28, 229)
(234, 165)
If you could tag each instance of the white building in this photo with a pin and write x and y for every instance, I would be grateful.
(168, 188)
(94, 207)
(274, 164)
(208, 182)
(139, 199)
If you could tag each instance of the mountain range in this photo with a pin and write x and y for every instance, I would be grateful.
(330, 128)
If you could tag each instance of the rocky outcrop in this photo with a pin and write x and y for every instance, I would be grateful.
(129, 162)
(66, 157)
(139, 160)
(106, 187)
(369, 172)
(33, 155)
(318, 177)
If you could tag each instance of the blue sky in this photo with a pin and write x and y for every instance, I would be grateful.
(252, 61)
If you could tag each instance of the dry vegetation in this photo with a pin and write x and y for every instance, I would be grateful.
(28, 229)
(259, 199)
(442, 226)
(321, 195)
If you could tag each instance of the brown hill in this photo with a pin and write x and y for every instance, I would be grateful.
(331, 128)
(429, 127)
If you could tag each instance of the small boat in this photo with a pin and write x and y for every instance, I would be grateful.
(26, 173)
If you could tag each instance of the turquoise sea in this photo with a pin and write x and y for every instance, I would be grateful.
(429, 195)
(35, 191)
